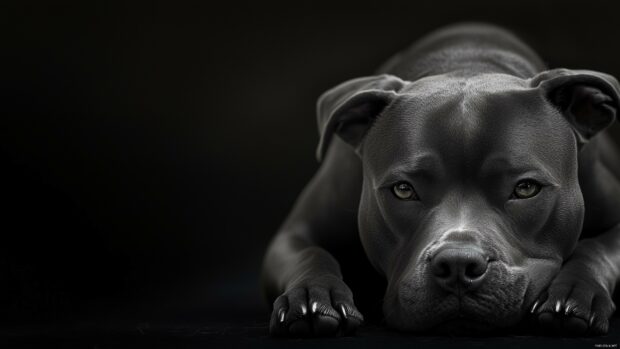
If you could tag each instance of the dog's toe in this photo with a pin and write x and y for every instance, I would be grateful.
(602, 308)
(325, 319)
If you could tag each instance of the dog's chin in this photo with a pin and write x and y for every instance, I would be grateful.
(462, 326)
(472, 327)
(456, 322)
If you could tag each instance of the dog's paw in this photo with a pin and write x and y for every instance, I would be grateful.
(317, 307)
(574, 305)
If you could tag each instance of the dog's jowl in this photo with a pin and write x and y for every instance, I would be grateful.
(481, 185)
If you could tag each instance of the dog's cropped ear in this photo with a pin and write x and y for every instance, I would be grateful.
(349, 109)
(589, 100)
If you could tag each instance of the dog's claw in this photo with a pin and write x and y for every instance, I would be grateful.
(534, 307)
(343, 311)
(281, 314)
(558, 306)
(314, 307)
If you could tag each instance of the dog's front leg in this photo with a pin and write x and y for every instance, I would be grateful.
(300, 276)
(579, 299)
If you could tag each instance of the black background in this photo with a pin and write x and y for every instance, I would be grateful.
(149, 150)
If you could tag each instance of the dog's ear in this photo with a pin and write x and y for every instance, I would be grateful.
(349, 109)
(589, 100)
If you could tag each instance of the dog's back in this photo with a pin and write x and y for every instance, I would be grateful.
(465, 49)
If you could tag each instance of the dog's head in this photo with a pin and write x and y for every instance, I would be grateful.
(470, 200)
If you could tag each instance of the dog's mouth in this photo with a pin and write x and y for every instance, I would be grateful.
(423, 307)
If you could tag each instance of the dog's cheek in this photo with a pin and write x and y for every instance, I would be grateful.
(569, 218)
(564, 224)
(531, 215)
(386, 225)
(377, 240)
(548, 226)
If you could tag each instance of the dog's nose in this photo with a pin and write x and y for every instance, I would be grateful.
(459, 269)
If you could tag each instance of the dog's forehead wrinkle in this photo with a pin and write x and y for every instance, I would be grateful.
(457, 105)
(462, 120)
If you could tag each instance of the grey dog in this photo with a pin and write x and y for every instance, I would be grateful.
(480, 185)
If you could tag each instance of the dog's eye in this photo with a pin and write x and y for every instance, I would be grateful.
(526, 189)
(404, 191)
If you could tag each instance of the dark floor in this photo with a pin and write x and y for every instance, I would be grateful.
(254, 334)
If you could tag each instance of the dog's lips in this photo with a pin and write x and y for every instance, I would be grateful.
(422, 306)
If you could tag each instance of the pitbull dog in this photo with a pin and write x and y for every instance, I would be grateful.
(481, 187)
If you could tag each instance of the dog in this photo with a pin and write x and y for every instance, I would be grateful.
(480, 184)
